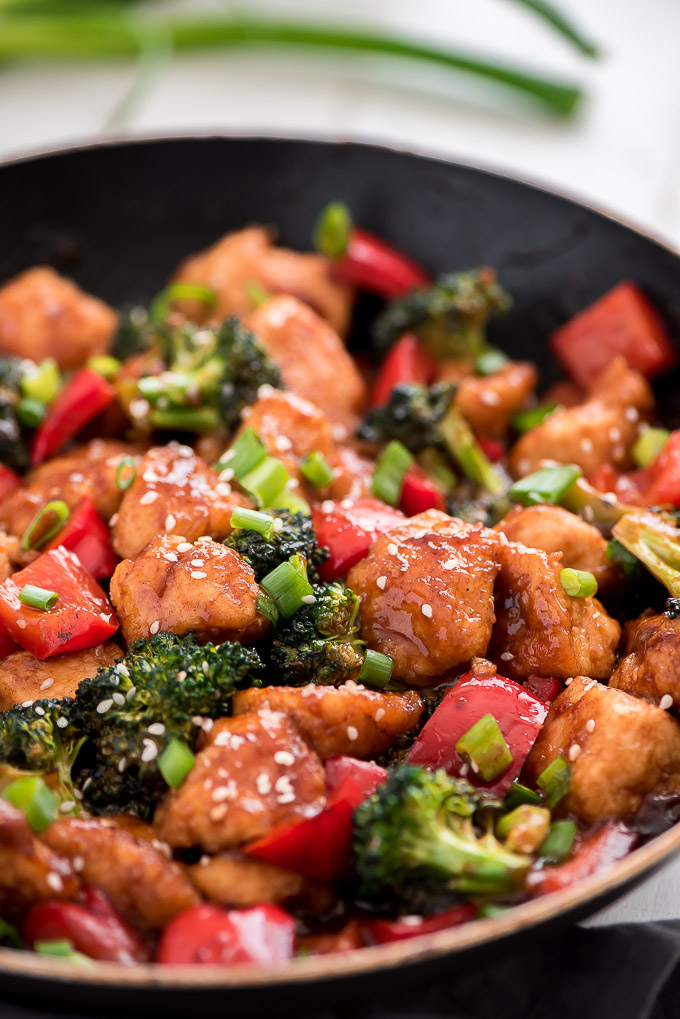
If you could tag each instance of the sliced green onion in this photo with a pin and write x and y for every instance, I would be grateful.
(519, 794)
(126, 473)
(289, 587)
(34, 799)
(490, 910)
(41, 382)
(9, 935)
(555, 781)
(523, 814)
(484, 746)
(253, 520)
(184, 419)
(159, 309)
(265, 481)
(316, 469)
(648, 445)
(390, 470)
(331, 233)
(490, 361)
(435, 465)
(175, 763)
(105, 365)
(267, 607)
(578, 583)
(625, 561)
(559, 840)
(376, 670)
(528, 419)
(38, 597)
(288, 499)
(244, 456)
(30, 412)
(546, 485)
(468, 454)
(257, 293)
(48, 522)
(61, 949)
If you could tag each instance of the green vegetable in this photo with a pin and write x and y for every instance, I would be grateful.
(648, 445)
(331, 233)
(45, 524)
(175, 763)
(518, 794)
(490, 361)
(32, 797)
(412, 416)
(624, 560)
(578, 583)
(559, 840)
(266, 481)
(484, 747)
(376, 670)
(655, 543)
(546, 485)
(161, 305)
(288, 586)
(316, 469)
(13, 443)
(468, 454)
(105, 364)
(59, 949)
(555, 781)
(30, 412)
(41, 381)
(126, 473)
(253, 520)
(292, 534)
(38, 597)
(390, 471)
(244, 456)
(528, 419)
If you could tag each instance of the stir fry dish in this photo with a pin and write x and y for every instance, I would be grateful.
(318, 634)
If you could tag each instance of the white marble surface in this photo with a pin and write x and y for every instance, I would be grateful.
(620, 152)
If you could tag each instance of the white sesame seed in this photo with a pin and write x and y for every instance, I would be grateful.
(308, 599)
(47, 684)
(197, 720)
(205, 667)
(204, 861)
(122, 764)
(170, 522)
(198, 575)
(155, 626)
(148, 498)
(118, 699)
(39, 710)
(450, 564)
(283, 443)
(574, 751)
(67, 806)
(615, 434)
(156, 729)
(123, 670)
(62, 722)
(666, 702)
(283, 784)
(586, 445)
(184, 546)
(54, 882)
(104, 705)
(632, 413)
(426, 610)
(223, 489)
(264, 391)
(218, 812)
(226, 475)
(26, 704)
(114, 520)
(284, 798)
(284, 757)
(277, 526)
(490, 397)
(21, 623)
(78, 863)
(392, 548)
(150, 751)
(207, 724)
(181, 676)
(352, 733)
(131, 693)
(381, 582)
(327, 506)
(170, 557)
(197, 562)
(263, 784)
(380, 714)
(221, 793)
(293, 483)
(411, 921)
(139, 408)
(590, 725)
(507, 656)
(87, 783)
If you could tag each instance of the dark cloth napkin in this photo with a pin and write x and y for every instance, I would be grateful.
(626, 971)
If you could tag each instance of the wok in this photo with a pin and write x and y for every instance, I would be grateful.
(118, 217)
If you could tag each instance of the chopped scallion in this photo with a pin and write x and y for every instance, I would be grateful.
(518, 794)
(265, 481)
(257, 293)
(316, 469)
(578, 583)
(288, 499)
(546, 485)
(183, 419)
(490, 361)
(126, 473)
(45, 524)
(104, 364)
(559, 840)
(619, 555)
(175, 763)
(331, 233)
(490, 910)
(376, 670)
(648, 445)
(159, 308)
(390, 470)
(34, 799)
(41, 381)
(468, 454)
(267, 607)
(528, 419)
(30, 412)
(484, 746)
(247, 452)
(61, 949)
(288, 586)
(555, 781)
(38, 597)
(253, 520)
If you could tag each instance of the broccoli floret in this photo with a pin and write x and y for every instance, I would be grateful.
(13, 446)
(412, 416)
(320, 643)
(164, 682)
(295, 537)
(655, 542)
(211, 375)
(422, 836)
(41, 737)
(450, 316)
(136, 333)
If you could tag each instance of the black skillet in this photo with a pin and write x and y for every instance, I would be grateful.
(118, 218)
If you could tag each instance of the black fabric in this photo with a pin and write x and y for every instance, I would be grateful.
(627, 971)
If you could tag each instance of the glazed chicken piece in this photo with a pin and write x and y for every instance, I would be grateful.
(348, 719)
(599, 431)
(88, 470)
(9, 552)
(311, 356)
(239, 881)
(174, 492)
(553, 529)
(540, 630)
(25, 678)
(490, 402)
(651, 666)
(177, 585)
(619, 750)
(246, 257)
(43, 314)
(352, 475)
(426, 593)
(30, 872)
(136, 875)
(255, 773)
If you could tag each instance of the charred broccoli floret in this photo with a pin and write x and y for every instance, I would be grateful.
(130, 712)
(211, 375)
(422, 836)
(293, 536)
(412, 416)
(450, 316)
(13, 447)
(320, 643)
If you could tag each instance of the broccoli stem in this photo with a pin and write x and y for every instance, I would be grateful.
(655, 543)
(468, 454)
(473, 866)
(594, 506)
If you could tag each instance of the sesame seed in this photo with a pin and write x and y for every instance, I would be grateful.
(198, 575)
(131, 693)
(218, 812)
(381, 582)
(327, 506)
(205, 667)
(155, 626)
(450, 564)
(507, 656)
(293, 483)
(392, 548)
(47, 684)
(122, 764)
(118, 699)
(170, 557)
(21, 623)
(226, 475)
(283, 784)
(221, 793)
(184, 546)
(589, 514)
(170, 522)
(139, 408)
(284, 757)
(586, 446)
(283, 443)
(114, 520)
(67, 806)
(104, 706)
(264, 391)
(123, 670)
(222, 488)
(26, 704)
(263, 784)
(150, 751)
(380, 714)
(39, 710)
(87, 783)
(156, 729)
(590, 725)
(666, 702)
(490, 398)
(181, 676)
(148, 498)
(62, 722)
(632, 413)
(284, 798)
(78, 863)
(197, 562)
(277, 526)
(411, 921)
(197, 720)
(204, 861)
(207, 724)
(54, 882)
(574, 751)
(615, 434)
(503, 538)
(308, 599)
(426, 610)
(352, 733)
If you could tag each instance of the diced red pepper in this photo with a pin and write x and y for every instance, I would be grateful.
(493, 449)
(519, 714)
(384, 932)
(546, 688)
(373, 265)
(86, 534)
(419, 493)
(622, 322)
(407, 361)
(263, 935)
(9, 482)
(7, 646)
(83, 617)
(346, 939)
(93, 928)
(349, 530)
(82, 398)
(366, 775)
(660, 482)
(595, 853)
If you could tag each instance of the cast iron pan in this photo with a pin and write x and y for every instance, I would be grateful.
(118, 217)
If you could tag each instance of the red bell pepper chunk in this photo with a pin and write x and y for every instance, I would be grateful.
(371, 264)
(7, 646)
(366, 775)
(263, 935)
(93, 928)
(546, 688)
(349, 530)
(83, 617)
(660, 482)
(407, 361)
(384, 932)
(622, 322)
(519, 714)
(595, 853)
(86, 534)
(493, 449)
(419, 493)
(82, 398)
(9, 482)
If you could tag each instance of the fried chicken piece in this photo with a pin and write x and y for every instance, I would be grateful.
(30, 872)
(179, 586)
(25, 678)
(651, 666)
(255, 773)
(136, 874)
(540, 630)
(490, 402)
(620, 750)
(9, 553)
(239, 881)
(43, 314)
(348, 719)
(426, 592)
(352, 475)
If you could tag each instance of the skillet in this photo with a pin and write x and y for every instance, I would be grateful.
(118, 217)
